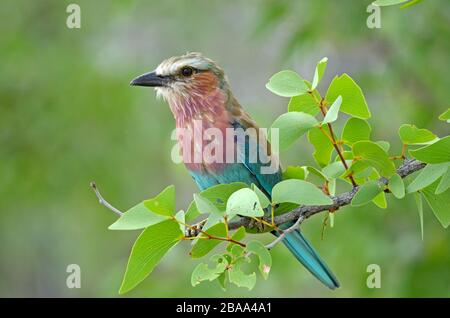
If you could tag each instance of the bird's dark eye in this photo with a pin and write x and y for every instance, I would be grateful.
(187, 71)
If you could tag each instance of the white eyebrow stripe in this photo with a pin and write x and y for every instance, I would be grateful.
(173, 64)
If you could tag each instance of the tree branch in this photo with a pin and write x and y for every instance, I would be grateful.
(303, 212)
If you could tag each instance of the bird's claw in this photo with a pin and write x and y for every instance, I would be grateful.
(256, 225)
(194, 230)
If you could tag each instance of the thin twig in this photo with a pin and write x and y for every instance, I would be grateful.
(209, 236)
(332, 137)
(103, 201)
(283, 234)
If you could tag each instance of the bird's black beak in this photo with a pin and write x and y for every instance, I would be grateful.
(150, 79)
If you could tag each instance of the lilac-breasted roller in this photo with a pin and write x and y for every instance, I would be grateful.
(201, 101)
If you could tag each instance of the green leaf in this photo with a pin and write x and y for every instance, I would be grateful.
(295, 172)
(366, 193)
(138, 217)
(347, 154)
(317, 173)
(280, 209)
(331, 218)
(291, 126)
(222, 280)
(383, 144)
(445, 115)
(380, 200)
(151, 245)
(333, 112)
(411, 135)
(359, 169)
(287, 84)
(439, 203)
(332, 187)
(383, 3)
(163, 203)
(444, 184)
(410, 3)
(205, 206)
(211, 220)
(419, 203)
(335, 169)
(303, 103)
(437, 152)
(192, 212)
(237, 250)
(203, 272)
(261, 196)
(372, 154)
(354, 102)
(396, 186)
(299, 192)
(323, 147)
(204, 246)
(356, 129)
(218, 195)
(238, 235)
(228, 258)
(427, 176)
(244, 202)
(239, 278)
(265, 260)
(180, 217)
(318, 73)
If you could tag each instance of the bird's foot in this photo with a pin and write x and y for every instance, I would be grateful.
(194, 230)
(257, 225)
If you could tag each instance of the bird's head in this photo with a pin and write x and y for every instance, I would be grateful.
(183, 79)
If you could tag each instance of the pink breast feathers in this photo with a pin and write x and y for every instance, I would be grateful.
(206, 142)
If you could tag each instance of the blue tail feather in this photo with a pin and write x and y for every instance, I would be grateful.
(305, 254)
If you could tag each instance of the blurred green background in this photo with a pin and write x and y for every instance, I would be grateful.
(68, 116)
